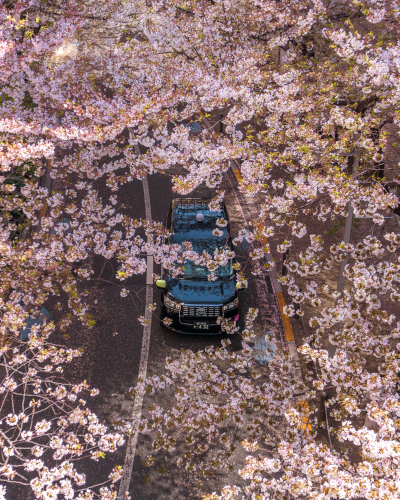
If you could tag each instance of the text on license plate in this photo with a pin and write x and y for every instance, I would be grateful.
(200, 325)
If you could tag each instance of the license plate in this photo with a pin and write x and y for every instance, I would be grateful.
(201, 325)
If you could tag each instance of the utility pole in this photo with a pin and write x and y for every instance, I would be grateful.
(346, 239)
(353, 162)
(347, 231)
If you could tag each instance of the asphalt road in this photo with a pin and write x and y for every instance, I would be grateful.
(174, 483)
(112, 348)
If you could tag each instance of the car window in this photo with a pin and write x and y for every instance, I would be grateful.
(209, 245)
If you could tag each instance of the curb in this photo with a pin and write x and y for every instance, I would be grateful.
(287, 327)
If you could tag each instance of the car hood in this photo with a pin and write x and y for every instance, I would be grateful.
(202, 292)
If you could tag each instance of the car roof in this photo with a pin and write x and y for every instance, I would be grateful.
(185, 226)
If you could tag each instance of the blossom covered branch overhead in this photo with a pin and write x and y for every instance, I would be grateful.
(306, 91)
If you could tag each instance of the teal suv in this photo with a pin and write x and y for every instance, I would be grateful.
(191, 301)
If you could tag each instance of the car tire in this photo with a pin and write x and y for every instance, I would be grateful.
(162, 315)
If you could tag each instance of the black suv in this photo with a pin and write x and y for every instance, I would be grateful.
(191, 301)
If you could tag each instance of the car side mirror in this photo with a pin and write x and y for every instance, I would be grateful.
(161, 284)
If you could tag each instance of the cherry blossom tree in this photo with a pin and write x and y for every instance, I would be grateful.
(311, 137)
(306, 90)
(48, 422)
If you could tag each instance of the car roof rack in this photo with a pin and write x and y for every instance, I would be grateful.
(186, 209)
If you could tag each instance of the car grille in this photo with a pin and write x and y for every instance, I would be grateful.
(201, 311)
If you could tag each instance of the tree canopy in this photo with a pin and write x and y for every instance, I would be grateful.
(306, 96)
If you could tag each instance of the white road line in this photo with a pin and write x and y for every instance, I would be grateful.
(137, 407)
(144, 355)
(150, 259)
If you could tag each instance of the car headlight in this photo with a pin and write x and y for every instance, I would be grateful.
(171, 304)
(231, 305)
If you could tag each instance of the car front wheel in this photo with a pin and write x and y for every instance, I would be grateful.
(163, 315)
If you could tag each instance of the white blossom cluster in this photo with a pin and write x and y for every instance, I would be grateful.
(309, 128)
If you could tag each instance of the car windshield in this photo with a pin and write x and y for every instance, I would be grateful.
(193, 270)
(200, 233)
